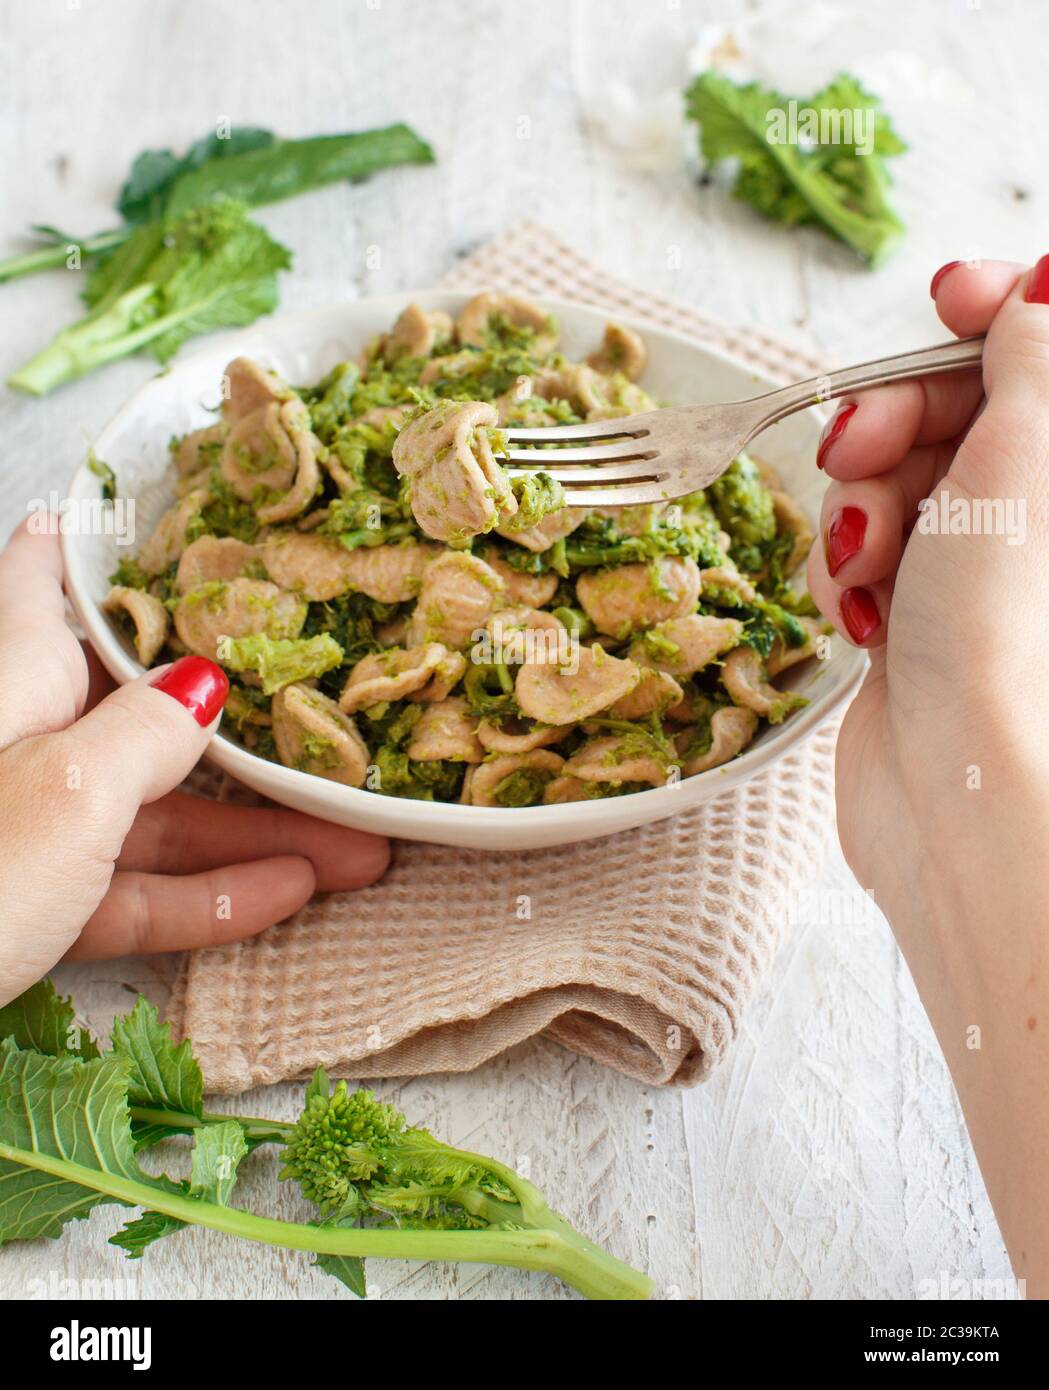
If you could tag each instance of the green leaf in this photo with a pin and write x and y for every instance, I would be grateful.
(319, 1086)
(161, 1076)
(217, 1152)
(216, 1156)
(137, 1236)
(153, 174)
(102, 470)
(71, 1110)
(289, 167)
(220, 272)
(42, 1021)
(145, 1135)
(348, 1269)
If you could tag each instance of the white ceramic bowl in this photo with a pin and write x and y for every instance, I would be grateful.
(302, 347)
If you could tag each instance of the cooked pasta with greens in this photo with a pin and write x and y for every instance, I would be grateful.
(396, 613)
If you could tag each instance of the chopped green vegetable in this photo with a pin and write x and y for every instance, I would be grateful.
(281, 661)
(745, 509)
(537, 496)
(690, 529)
(351, 621)
(523, 787)
(828, 181)
(102, 470)
(489, 689)
(575, 620)
(331, 400)
(223, 514)
(760, 630)
(438, 780)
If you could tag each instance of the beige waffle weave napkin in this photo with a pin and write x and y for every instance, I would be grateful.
(639, 950)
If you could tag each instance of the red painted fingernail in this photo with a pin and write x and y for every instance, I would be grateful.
(844, 537)
(198, 684)
(859, 613)
(1038, 283)
(943, 271)
(833, 432)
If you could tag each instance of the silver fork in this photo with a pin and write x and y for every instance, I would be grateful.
(669, 453)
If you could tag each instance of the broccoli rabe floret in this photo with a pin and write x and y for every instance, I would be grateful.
(281, 661)
(359, 1161)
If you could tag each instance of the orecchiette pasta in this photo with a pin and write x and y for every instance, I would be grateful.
(457, 489)
(241, 608)
(432, 629)
(213, 558)
(314, 735)
(390, 675)
(148, 615)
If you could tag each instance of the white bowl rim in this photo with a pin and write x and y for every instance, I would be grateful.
(604, 816)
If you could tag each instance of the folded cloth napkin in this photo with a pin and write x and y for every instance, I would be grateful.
(639, 950)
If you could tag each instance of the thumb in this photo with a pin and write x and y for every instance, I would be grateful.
(1004, 453)
(70, 797)
(143, 738)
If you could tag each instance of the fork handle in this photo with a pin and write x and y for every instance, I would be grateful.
(945, 357)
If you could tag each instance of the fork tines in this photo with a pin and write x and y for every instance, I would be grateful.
(614, 451)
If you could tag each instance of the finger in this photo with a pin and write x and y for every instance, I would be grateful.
(872, 432)
(875, 432)
(184, 834)
(1004, 453)
(131, 748)
(43, 675)
(146, 913)
(968, 294)
(79, 791)
(860, 612)
(141, 741)
(864, 523)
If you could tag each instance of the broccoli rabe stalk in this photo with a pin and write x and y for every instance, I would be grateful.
(60, 251)
(73, 1118)
(357, 1159)
(210, 268)
(281, 661)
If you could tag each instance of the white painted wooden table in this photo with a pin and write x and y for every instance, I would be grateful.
(828, 1157)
